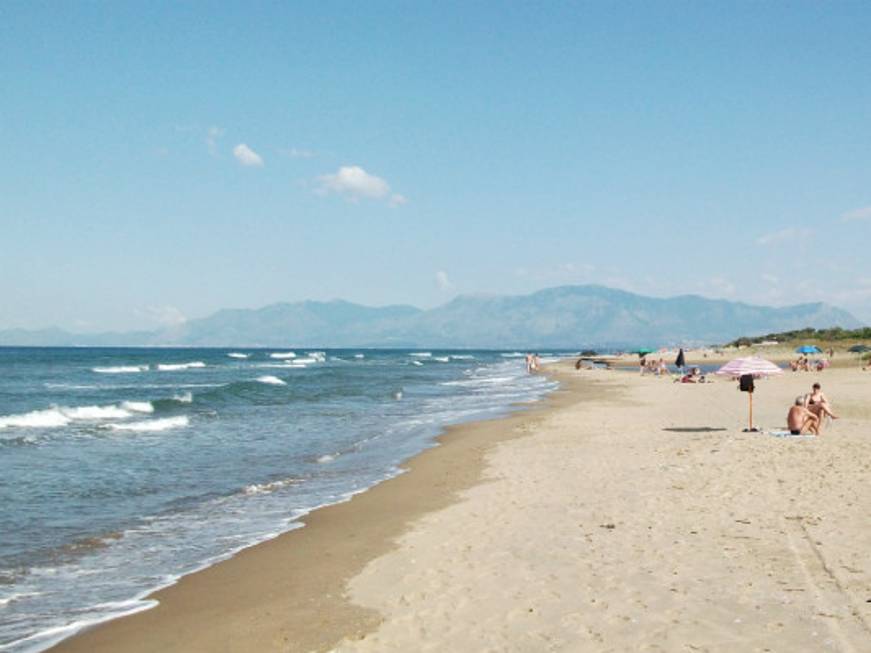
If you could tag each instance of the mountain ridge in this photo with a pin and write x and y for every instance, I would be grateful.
(557, 317)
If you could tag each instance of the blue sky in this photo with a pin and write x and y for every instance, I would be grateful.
(163, 160)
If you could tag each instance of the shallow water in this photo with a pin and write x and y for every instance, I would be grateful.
(122, 469)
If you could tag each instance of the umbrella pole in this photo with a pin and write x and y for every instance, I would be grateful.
(751, 410)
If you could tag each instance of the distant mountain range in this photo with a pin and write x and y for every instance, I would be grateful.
(565, 317)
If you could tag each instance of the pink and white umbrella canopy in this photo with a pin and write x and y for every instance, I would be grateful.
(749, 365)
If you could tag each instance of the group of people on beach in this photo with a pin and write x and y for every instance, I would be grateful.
(652, 366)
(533, 363)
(660, 368)
(803, 364)
(808, 413)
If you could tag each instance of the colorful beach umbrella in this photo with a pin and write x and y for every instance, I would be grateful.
(809, 349)
(753, 365)
(749, 365)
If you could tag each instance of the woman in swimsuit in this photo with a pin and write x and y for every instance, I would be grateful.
(817, 403)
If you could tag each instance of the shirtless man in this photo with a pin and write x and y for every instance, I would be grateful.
(800, 420)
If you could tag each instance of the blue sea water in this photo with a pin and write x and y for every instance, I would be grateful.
(123, 469)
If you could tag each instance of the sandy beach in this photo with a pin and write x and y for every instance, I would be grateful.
(626, 513)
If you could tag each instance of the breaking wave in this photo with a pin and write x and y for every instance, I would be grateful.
(174, 367)
(120, 369)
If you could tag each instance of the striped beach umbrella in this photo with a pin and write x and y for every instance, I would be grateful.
(749, 365)
(753, 365)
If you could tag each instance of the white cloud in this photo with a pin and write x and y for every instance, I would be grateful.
(355, 183)
(246, 156)
(442, 280)
(857, 214)
(790, 233)
(213, 135)
(770, 278)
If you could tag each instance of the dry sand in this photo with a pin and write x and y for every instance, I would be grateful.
(632, 514)
(647, 521)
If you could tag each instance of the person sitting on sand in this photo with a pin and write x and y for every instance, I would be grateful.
(818, 404)
(695, 376)
(799, 420)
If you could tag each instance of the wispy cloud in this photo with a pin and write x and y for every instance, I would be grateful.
(213, 135)
(246, 156)
(442, 281)
(354, 183)
(784, 235)
(857, 214)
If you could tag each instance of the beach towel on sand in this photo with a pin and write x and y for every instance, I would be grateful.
(780, 433)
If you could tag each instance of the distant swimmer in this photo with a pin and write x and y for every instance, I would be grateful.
(530, 364)
(397, 395)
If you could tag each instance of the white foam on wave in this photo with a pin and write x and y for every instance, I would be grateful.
(282, 354)
(138, 406)
(421, 354)
(163, 424)
(514, 354)
(236, 354)
(95, 412)
(462, 357)
(304, 361)
(327, 458)
(120, 369)
(48, 418)
(418, 363)
(41, 640)
(185, 398)
(57, 416)
(174, 367)
(267, 488)
(359, 356)
(442, 359)
(319, 356)
(270, 380)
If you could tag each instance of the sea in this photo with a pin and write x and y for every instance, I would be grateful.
(122, 470)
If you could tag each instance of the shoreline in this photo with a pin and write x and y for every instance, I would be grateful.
(287, 592)
(622, 512)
